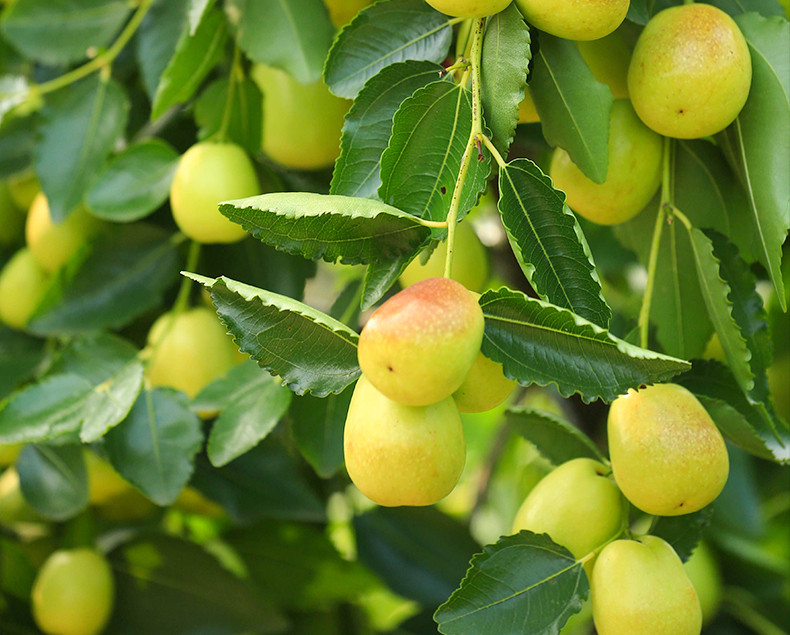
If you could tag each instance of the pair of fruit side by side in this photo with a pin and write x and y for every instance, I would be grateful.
(421, 362)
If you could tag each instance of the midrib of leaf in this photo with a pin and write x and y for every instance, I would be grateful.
(300, 49)
(58, 464)
(149, 403)
(537, 237)
(90, 136)
(606, 342)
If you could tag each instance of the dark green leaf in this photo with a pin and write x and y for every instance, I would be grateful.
(310, 350)
(197, 9)
(419, 168)
(543, 344)
(62, 32)
(259, 403)
(297, 566)
(380, 276)
(157, 38)
(53, 479)
(317, 426)
(504, 68)
(736, 7)
(294, 35)
(155, 447)
(381, 35)
(194, 57)
(683, 532)
(263, 483)
(419, 552)
(17, 139)
(134, 183)
(555, 438)
(164, 584)
(20, 354)
(573, 106)
(548, 242)
(523, 580)
(81, 124)
(637, 12)
(352, 230)
(366, 132)
(757, 140)
(245, 118)
(126, 274)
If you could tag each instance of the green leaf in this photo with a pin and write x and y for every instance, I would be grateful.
(62, 32)
(126, 273)
(165, 584)
(352, 230)
(366, 132)
(716, 294)
(573, 106)
(17, 140)
(14, 91)
(683, 532)
(155, 447)
(418, 551)
(245, 118)
(81, 124)
(524, 579)
(310, 350)
(157, 38)
(90, 389)
(548, 242)
(258, 405)
(749, 425)
(637, 12)
(134, 183)
(297, 566)
(317, 426)
(757, 140)
(293, 35)
(419, 168)
(381, 35)
(380, 276)
(197, 10)
(504, 69)
(736, 7)
(555, 438)
(53, 479)
(20, 355)
(266, 482)
(194, 57)
(535, 341)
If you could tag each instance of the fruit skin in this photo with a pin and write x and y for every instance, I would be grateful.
(704, 574)
(470, 262)
(527, 113)
(668, 457)
(23, 282)
(691, 71)
(73, 593)
(419, 345)
(341, 12)
(633, 176)
(576, 505)
(54, 244)
(402, 455)
(469, 8)
(485, 386)
(608, 60)
(578, 20)
(189, 350)
(642, 587)
(301, 122)
(207, 174)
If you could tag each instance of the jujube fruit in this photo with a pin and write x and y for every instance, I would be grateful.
(633, 176)
(207, 174)
(342, 11)
(642, 587)
(419, 345)
(527, 113)
(485, 386)
(668, 457)
(608, 60)
(704, 574)
(578, 20)
(23, 282)
(402, 455)
(691, 71)
(469, 8)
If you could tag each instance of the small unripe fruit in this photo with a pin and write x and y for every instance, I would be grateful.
(73, 593)
(577, 20)
(208, 174)
(23, 282)
(633, 176)
(469, 8)
(419, 345)
(402, 455)
(668, 457)
(484, 388)
(691, 71)
(641, 587)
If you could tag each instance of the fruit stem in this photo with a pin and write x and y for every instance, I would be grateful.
(182, 298)
(471, 145)
(235, 72)
(100, 60)
(492, 149)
